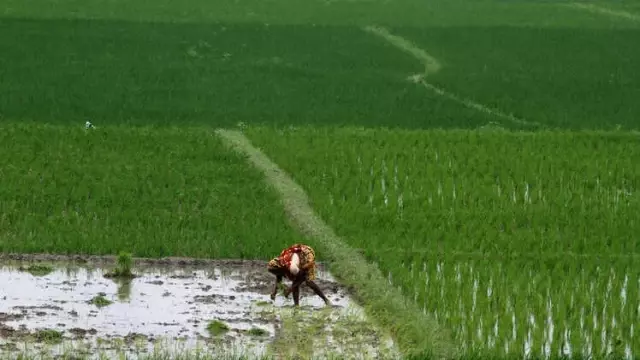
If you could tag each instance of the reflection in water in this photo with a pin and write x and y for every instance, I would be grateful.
(124, 288)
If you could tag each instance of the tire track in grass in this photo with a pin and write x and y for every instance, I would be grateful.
(416, 333)
(432, 65)
(604, 11)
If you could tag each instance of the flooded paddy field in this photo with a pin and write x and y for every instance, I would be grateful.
(549, 308)
(66, 305)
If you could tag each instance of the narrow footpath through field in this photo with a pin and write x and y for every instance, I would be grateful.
(432, 66)
(415, 332)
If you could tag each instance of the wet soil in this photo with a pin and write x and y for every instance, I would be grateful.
(253, 271)
(170, 300)
(98, 260)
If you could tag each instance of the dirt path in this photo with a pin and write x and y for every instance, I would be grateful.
(414, 332)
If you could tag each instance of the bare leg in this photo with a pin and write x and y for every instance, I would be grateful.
(275, 287)
(316, 289)
(296, 296)
(295, 285)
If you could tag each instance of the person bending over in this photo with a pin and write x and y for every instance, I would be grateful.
(297, 263)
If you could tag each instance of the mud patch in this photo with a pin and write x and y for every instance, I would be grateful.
(169, 305)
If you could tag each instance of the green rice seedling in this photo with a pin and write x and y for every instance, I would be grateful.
(256, 331)
(37, 269)
(124, 263)
(100, 300)
(49, 336)
(217, 327)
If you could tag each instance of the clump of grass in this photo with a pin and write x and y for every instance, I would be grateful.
(124, 263)
(262, 303)
(37, 269)
(49, 336)
(217, 327)
(100, 300)
(256, 331)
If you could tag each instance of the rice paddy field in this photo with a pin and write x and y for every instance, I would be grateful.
(516, 249)
(483, 155)
(66, 190)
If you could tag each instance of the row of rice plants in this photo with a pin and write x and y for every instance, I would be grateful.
(471, 191)
(545, 209)
(539, 308)
(150, 191)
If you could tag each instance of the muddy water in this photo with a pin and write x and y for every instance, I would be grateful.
(171, 306)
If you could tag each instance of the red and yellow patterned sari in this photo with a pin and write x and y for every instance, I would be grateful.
(306, 254)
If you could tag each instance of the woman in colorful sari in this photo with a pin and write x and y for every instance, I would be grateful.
(297, 263)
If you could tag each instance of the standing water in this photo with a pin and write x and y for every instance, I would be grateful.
(77, 309)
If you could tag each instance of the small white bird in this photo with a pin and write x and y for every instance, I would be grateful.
(88, 125)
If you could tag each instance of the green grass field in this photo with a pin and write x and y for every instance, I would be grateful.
(562, 78)
(217, 64)
(154, 192)
(513, 241)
